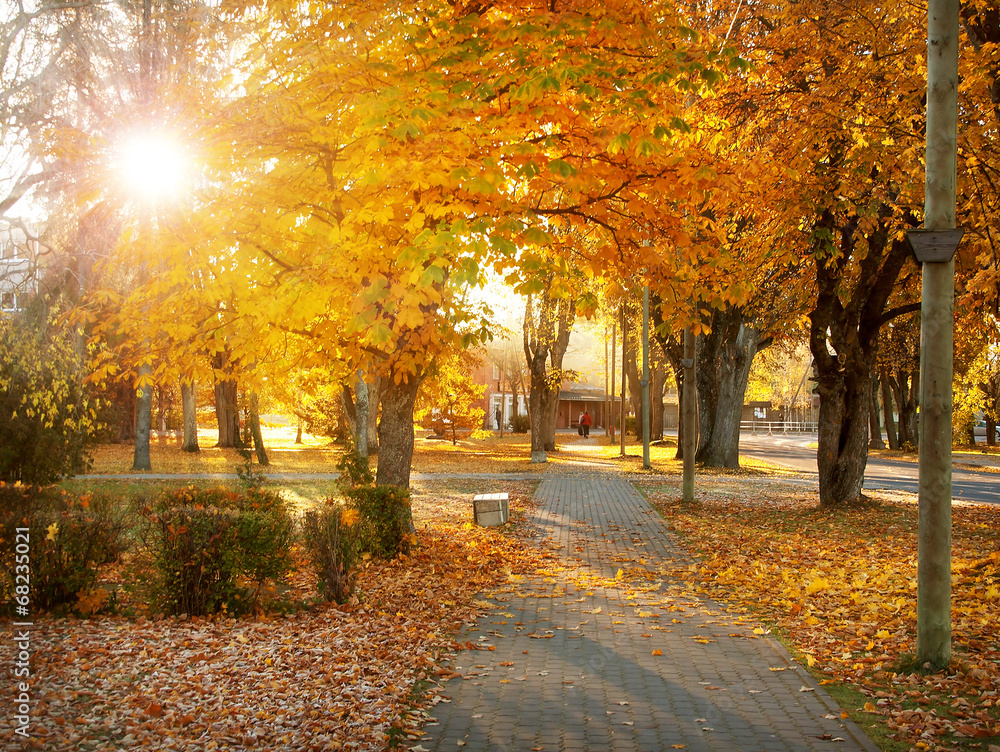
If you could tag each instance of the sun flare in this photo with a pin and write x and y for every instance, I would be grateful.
(152, 167)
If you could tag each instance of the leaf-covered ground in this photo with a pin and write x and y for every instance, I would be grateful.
(314, 454)
(492, 454)
(349, 677)
(840, 587)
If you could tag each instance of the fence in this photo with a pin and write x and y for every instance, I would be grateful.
(778, 426)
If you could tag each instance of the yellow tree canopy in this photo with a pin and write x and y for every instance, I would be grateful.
(368, 161)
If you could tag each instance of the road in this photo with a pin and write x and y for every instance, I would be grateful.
(881, 474)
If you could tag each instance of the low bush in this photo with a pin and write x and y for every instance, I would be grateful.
(383, 520)
(208, 551)
(630, 425)
(69, 538)
(355, 472)
(382, 528)
(330, 541)
(520, 424)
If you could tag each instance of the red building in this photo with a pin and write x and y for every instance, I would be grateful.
(496, 390)
(573, 400)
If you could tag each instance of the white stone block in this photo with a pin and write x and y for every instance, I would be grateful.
(490, 509)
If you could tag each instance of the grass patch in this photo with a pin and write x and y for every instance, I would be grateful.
(852, 700)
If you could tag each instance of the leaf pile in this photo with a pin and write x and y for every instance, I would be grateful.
(841, 585)
(325, 678)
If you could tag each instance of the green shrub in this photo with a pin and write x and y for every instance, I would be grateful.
(382, 529)
(383, 513)
(47, 417)
(630, 425)
(355, 471)
(330, 541)
(520, 423)
(214, 550)
(69, 539)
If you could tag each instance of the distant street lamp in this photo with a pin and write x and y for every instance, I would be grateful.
(645, 376)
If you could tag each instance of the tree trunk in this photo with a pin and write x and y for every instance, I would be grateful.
(361, 408)
(843, 434)
(535, 412)
(991, 390)
(725, 356)
(657, 381)
(707, 355)
(681, 429)
(396, 431)
(732, 373)
(611, 397)
(906, 436)
(143, 423)
(545, 342)
(690, 409)
(125, 399)
(634, 385)
(874, 421)
(227, 413)
(162, 406)
(970, 433)
(673, 351)
(227, 408)
(374, 393)
(551, 417)
(543, 407)
(843, 339)
(912, 403)
(189, 406)
(887, 410)
(298, 431)
(368, 390)
(258, 438)
(905, 388)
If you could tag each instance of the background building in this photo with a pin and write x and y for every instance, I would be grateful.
(18, 255)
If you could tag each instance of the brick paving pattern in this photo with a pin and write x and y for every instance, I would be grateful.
(575, 659)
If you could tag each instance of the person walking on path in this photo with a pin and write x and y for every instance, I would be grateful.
(585, 421)
(606, 651)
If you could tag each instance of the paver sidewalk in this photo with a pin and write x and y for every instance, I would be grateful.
(577, 660)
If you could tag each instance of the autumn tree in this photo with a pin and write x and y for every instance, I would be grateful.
(978, 199)
(852, 153)
(449, 399)
(977, 376)
(505, 351)
(117, 59)
(549, 314)
(365, 258)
